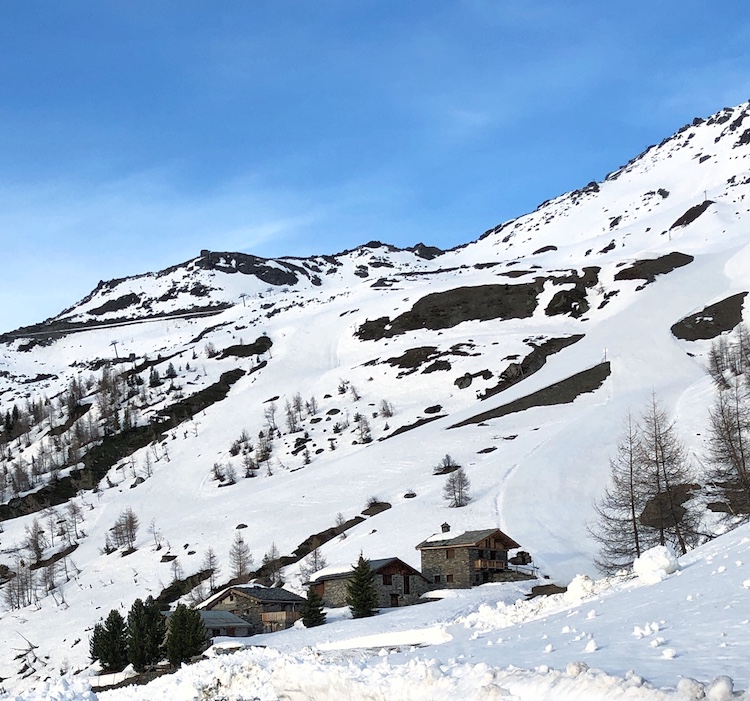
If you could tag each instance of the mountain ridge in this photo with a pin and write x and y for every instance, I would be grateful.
(597, 276)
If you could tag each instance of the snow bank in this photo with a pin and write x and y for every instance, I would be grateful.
(655, 565)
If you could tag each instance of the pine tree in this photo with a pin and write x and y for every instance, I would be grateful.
(361, 596)
(108, 644)
(186, 636)
(312, 609)
(145, 634)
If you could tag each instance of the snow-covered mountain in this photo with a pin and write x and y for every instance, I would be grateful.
(518, 354)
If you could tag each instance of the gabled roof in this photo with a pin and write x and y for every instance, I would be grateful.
(268, 593)
(329, 574)
(468, 539)
(259, 593)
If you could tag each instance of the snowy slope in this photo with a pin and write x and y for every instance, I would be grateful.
(534, 473)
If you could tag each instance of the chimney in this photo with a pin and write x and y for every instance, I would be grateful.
(445, 527)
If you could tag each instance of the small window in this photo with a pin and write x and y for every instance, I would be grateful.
(388, 579)
(450, 553)
(449, 578)
(437, 579)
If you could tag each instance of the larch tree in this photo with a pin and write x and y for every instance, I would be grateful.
(618, 527)
(456, 489)
(667, 481)
(729, 450)
(240, 558)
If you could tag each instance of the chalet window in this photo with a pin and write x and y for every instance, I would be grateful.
(407, 584)
(450, 553)
(480, 554)
(493, 554)
(449, 578)
(437, 579)
(388, 579)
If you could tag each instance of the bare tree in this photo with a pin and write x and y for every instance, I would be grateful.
(211, 563)
(618, 527)
(271, 562)
(292, 418)
(314, 562)
(75, 516)
(125, 529)
(298, 405)
(35, 541)
(311, 405)
(456, 489)
(240, 559)
(386, 409)
(269, 414)
(667, 480)
(729, 450)
(153, 531)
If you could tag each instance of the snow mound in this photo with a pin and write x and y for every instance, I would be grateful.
(655, 565)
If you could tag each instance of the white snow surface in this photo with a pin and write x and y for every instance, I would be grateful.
(534, 473)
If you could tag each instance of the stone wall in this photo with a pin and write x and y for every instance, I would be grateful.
(436, 567)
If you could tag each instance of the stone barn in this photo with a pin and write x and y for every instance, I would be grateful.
(469, 559)
(266, 609)
(396, 583)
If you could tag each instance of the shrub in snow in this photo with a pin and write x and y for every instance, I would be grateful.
(656, 564)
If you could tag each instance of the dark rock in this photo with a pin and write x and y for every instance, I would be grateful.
(649, 269)
(692, 214)
(443, 310)
(712, 320)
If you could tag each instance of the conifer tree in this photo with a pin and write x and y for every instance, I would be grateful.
(108, 644)
(145, 634)
(186, 636)
(361, 596)
(312, 609)
(729, 450)
(618, 529)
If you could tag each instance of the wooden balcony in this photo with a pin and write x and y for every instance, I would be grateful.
(490, 565)
(287, 617)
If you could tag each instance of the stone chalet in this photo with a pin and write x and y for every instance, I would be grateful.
(265, 609)
(396, 583)
(469, 559)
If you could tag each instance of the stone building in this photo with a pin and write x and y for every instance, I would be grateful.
(396, 583)
(265, 609)
(469, 559)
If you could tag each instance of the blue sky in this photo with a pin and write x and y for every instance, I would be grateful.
(135, 133)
